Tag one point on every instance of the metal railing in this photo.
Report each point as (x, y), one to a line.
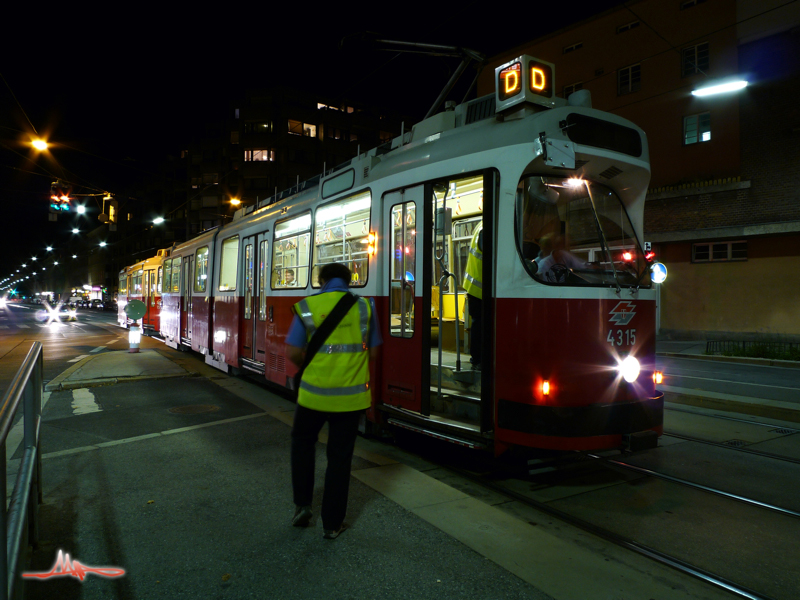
(20, 522)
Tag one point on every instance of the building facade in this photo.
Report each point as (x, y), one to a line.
(723, 210)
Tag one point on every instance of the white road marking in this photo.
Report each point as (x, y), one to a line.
(3, 326)
(83, 402)
(77, 358)
(777, 387)
(24, 326)
(98, 349)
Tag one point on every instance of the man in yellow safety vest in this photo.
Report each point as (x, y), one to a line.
(334, 388)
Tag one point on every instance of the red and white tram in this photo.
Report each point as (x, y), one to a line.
(568, 311)
(142, 281)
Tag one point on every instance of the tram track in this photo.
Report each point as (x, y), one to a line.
(618, 539)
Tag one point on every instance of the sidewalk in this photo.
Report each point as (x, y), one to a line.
(201, 508)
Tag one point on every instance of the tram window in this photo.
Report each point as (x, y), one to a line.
(248, 281)
(465, 198)
(572, 232)
(404, 260)
(167, 275)
(123, 284)
(137, 282)
(290, 253)
(262, 282)
(175, 284)
(160, 280)
(341, 234)
(201, 270)
(229, 264)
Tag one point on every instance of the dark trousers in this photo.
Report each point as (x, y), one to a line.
(342, 432)
(476, 331)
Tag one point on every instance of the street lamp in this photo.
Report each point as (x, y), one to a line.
(76, 230)
(102, 244)
(158, 220)
(731, 86)
(49, 248)
(81, 209)
(39, 144)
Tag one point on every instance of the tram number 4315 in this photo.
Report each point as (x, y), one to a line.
(621, 337)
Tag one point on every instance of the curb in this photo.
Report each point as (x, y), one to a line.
(748, 408)
(742, 360)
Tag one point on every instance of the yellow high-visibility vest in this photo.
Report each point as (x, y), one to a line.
(337, 379)
(472, 278)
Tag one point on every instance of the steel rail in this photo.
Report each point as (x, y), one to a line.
(726, 418)
(688, 438)
(698, 486)
(661, 557)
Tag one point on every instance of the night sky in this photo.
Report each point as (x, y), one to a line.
(117, 95)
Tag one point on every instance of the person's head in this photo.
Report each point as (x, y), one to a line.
(334, 271)
(289, 275)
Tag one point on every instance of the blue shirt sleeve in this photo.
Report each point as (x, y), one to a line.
(297, 333)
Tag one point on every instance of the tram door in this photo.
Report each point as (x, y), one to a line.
(403, 347)
(186, 304)
(256, 281)
(147, 284)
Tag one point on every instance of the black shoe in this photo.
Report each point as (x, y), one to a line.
(302, 516)
(332, 534)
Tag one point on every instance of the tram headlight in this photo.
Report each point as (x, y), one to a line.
(629, 369)
(658, 272)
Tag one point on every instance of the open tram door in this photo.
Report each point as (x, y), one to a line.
(438, 392)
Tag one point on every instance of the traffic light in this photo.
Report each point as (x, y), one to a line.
(59, 197)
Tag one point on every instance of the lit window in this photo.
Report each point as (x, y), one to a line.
(290, 253)
(262, 155)
(719, 252)
(572, 48)
(697, 128)
(694, 60)
(341, 231)
(230, 264)
(300, 128)
(629, 79)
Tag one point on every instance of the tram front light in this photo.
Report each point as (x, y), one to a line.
(546, 387)
(629, 369)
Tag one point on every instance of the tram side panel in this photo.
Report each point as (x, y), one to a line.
(574, 345)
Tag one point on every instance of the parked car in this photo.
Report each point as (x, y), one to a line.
(96, 304)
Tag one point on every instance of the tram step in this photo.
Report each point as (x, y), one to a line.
(438, 435)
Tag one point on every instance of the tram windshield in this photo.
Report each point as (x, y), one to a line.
(576, 232)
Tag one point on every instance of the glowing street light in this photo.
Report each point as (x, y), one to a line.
(81, 209)
(102, 244)
(731, 86)
(49, 248)
(236, 201)
(39, 144)
(76, 230)
(158, 220)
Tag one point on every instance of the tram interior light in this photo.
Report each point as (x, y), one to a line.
(658, 377)
(546, 387)
(372, 243)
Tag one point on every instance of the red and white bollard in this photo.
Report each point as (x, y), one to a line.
(134, 337)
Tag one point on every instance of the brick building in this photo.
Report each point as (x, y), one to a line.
(723, 210)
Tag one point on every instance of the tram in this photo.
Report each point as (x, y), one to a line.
(142, 281)
(568, 311)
